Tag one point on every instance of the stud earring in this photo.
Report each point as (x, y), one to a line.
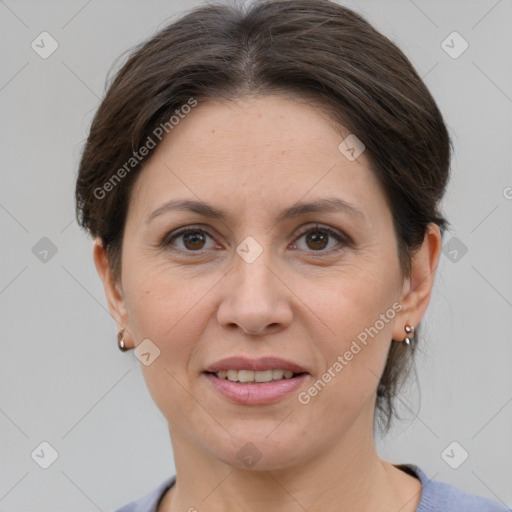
(120, 341)
(409, 329)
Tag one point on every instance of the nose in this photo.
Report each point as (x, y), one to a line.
(255, 299)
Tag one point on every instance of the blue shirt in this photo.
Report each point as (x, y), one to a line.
(435, 497)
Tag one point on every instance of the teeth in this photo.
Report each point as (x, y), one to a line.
(245, 375)
(252, 376)
(263, 376)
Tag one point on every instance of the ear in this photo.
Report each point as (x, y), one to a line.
(113, 289)
(417, 288)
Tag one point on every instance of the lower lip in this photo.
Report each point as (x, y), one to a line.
(257, 393)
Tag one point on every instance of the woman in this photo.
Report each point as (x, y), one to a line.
(263, 185)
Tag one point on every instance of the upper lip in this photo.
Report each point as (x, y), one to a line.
(260, 364)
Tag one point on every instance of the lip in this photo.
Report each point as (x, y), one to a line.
(255, 394)
(260, 364)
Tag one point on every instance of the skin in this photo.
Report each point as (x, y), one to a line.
(297, 300)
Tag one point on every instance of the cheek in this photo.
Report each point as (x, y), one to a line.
(353, 298)
(159, 302)
(356, 311)
(164, 310)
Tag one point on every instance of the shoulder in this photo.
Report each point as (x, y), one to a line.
(150, 501)
(441, 497)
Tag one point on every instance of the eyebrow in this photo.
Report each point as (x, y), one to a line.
(331, 204)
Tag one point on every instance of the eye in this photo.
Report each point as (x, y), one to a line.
(193, 239)
(317, 239)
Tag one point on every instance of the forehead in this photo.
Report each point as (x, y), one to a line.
(273, 123)
(268, 150)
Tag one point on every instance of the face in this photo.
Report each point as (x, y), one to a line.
(263, 281)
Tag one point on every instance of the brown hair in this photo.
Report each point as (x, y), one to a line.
(310, 48)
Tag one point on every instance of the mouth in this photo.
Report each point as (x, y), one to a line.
(249, 381)
(253, 388)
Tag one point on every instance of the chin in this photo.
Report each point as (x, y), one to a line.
(261, 451)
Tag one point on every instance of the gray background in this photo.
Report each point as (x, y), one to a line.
(62, 378)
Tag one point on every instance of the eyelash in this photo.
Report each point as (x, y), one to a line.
(340, 238)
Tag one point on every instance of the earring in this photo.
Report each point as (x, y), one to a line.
(409, 329)
(120, 341)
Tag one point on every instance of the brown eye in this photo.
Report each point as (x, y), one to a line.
(192, 240)
(317, 239)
